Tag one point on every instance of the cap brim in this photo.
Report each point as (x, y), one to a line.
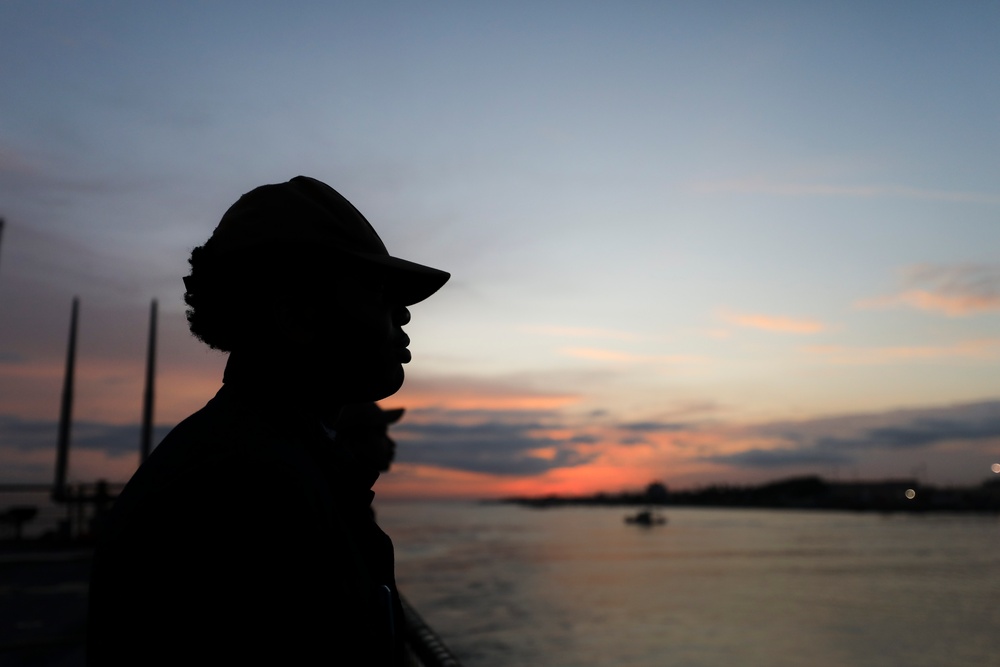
(394, 415)
(408, 282)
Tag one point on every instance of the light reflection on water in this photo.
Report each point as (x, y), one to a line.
(576, 586)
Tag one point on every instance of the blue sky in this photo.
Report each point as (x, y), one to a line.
(722, 215)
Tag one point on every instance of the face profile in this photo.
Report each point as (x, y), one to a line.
(327, 315)
(360, 341)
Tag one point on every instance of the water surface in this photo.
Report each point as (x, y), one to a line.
(506, 585)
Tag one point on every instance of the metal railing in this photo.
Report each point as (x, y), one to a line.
(32, 511)
(423, 643)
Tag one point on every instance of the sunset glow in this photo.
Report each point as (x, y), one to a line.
(693, 243)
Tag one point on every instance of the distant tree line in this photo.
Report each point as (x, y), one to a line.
(806, 492)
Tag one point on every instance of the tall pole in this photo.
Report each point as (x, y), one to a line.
(66, 413)
(147, 399)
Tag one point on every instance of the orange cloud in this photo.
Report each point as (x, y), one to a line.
(422, 481)
(108, 389)
(954, 290)
(616, 467)
(775, 323)
(952, 305)
(730, 453)
(407, 480)
(470, 394)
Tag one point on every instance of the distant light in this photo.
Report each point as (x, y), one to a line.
(910, 494)
(995, 468)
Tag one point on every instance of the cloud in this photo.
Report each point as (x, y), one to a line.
(691, 407)
(39, 434)
(952, 305)
(509, 445)
(639, 433)
(617, 356)
(502, 442)
(777, 324)
(844, 440)
(755, 186)
(921, 432)
(584, 332)
(781, 458)
(508, 441)
(487, 394)
(97, 449)
(986, 348)
(955, 291)
(654, 427)
(499, 446)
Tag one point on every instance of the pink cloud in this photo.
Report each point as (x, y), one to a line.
(955, 291)
(952, 305)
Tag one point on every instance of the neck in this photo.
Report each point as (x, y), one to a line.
(281, 383)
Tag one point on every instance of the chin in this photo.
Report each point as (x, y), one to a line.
(373, 388)
(394, 385)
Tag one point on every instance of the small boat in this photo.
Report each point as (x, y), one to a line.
(646, 518)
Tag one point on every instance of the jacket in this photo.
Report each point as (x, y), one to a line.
(246, 537)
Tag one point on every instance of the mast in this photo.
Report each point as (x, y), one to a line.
(66, 412)
(147, 399)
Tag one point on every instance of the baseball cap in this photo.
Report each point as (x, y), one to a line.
(307, 211)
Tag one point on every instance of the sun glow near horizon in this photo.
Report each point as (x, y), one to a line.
(687, 244)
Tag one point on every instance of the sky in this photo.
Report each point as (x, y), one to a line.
(693, 242)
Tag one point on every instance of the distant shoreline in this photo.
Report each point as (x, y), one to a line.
(807, 492)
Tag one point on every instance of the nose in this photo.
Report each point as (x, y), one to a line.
(401, 316)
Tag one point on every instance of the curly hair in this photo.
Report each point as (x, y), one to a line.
(228, 292)
(217, 295)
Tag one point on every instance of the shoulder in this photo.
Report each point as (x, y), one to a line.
(199, 441)
(224, 458)
(227, 433)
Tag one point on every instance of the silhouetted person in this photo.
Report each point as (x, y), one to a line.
(246, 537)
(364, 429)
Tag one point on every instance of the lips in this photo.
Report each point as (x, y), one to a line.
(402, 353)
